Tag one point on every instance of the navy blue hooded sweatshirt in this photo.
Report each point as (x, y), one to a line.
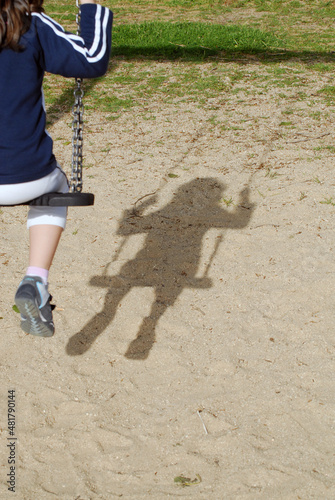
(25, 146)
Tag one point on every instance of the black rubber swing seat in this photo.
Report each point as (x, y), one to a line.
(75, 199)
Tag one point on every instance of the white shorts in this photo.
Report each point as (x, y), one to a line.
(56, 181)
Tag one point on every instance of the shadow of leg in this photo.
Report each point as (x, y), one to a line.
(140, 347)
(79, 343)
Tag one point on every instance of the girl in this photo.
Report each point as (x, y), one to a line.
(30, 44)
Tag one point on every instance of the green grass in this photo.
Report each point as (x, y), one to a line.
(328, 201)
(292, 18)
(200, 49)
(189, 41)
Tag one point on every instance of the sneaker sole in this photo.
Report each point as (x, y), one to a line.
(33, 324)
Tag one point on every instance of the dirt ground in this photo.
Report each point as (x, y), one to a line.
(194, 347)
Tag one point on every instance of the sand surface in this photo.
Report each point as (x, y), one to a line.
(195, 311)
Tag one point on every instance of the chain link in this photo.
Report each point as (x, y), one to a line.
(76, 182)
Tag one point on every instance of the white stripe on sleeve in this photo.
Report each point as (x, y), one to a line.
(72, 39)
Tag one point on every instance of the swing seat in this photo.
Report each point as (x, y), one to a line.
(76, 199)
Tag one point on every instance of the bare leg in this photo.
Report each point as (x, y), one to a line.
(32, 297)
(44, 239)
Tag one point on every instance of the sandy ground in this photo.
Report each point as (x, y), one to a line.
(194, 322)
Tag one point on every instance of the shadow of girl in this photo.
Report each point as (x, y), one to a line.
(168, 261)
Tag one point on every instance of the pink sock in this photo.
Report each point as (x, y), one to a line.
(38, 271)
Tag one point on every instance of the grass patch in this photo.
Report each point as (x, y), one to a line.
(328, 201)
(190, 41)
(307, 23)
(292, 39)
(329, 91)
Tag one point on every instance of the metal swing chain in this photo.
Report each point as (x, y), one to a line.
(76, 182)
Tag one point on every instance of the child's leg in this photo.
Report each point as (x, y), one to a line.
(32, 298)
(44, 240)
(45, 226)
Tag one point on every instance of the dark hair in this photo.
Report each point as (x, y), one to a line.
(15, 20)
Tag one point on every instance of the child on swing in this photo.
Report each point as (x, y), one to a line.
(30, 44)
